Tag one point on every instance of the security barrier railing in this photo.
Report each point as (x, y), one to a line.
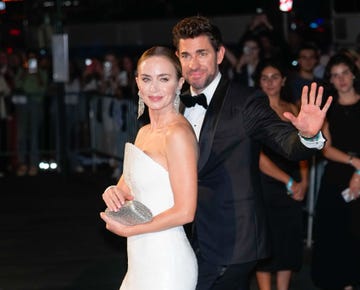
(90, 128)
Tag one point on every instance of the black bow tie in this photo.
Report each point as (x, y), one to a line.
(191, 101)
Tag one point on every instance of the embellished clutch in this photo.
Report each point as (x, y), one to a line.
(131, 213)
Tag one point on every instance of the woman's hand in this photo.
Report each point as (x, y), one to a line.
(114, 197)
(114, 226)
(354, 186)
(298, 191)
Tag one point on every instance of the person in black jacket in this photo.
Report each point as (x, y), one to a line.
(230, 231)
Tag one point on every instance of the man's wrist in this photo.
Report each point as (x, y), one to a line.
(307, 138)
(316, 142)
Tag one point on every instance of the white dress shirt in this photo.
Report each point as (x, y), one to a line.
(196, 114)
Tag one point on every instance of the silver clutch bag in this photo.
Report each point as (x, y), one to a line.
(131, 213)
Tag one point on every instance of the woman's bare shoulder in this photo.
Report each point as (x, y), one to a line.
(180, 130)
(180, 126)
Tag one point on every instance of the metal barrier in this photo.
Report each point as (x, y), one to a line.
(93, 129)
(112, 123)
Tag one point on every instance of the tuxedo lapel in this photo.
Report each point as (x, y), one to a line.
(211, 120)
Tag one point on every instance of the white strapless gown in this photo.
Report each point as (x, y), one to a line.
(161, 260)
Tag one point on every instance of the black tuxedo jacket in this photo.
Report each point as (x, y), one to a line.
(230, 225)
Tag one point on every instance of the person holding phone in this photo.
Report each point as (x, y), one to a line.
(31, 81)
(32, 65)
(244, 66)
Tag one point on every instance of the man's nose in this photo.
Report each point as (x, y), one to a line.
(194, 63)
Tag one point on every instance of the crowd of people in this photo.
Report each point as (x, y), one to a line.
(260, 122)
(31, 109)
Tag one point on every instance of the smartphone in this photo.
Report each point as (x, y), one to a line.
(259, 10)
(32, 65)
(346, 195)
(88, 61)
(246, 50)
(107, 69)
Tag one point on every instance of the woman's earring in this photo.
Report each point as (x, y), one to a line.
(141, 106)
(177, 101)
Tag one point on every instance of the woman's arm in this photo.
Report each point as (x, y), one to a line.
(270, 168)
(334, 154)
(181, 154)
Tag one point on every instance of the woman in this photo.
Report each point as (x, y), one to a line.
(160, 171)
(284, 184)
(336, 252)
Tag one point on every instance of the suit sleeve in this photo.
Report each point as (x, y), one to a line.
(264, 125)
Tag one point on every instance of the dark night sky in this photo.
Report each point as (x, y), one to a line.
(120, 10)
(32, 12)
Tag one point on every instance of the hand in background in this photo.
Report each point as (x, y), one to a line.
(298, 191)
(354, 185)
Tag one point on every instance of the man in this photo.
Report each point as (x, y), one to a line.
(230, 232)
(307, 58)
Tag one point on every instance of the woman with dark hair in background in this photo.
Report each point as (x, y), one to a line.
(336, 251)
(284, 185)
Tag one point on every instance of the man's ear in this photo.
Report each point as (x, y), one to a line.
(220, 54)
